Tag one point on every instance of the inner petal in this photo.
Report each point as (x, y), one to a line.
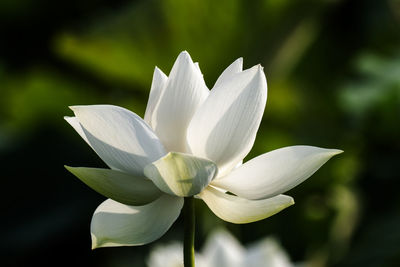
(181, 174)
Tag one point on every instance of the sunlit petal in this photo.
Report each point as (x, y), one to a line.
(157, 86)
(275, 172)
(184, 93)
(229, 72)
(224, 128)
(73, 121)
(120, 137)
(235, 209)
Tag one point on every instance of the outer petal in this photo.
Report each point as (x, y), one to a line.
(229, 72)
(157, 86)
(115, 224)
(184, 93)
(275, 172)
(239, 210)
(225, 126)
(181, 174)
(120, 137)
(119, 186)
(73, 121)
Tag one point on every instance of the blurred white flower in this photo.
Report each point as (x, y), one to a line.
(223, 250)
(171, 255)
(192, 141)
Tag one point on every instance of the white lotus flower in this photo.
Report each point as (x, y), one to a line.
(190, 143)
(171, 255)
(223, 250)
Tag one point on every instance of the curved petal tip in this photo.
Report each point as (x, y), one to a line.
(335, 152)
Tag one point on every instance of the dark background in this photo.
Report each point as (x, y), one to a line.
(333, 71)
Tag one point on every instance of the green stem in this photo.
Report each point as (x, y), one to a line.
(188, 243)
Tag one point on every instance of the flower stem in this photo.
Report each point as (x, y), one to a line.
(188, 243)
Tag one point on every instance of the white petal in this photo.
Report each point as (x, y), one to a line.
(157, 86)
(235, 209)
(184, 92)
(122, 187)
(115, 224)
(229, 72)
(197, 66)
(228, 168)
(275, 172)
(181, 174)
(120, 137)
(224, 128)
(73, 121)
(222, 249)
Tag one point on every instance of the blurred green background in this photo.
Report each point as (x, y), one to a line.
(333, 70)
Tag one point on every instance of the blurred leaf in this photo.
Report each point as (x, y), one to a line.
(38, 97)
(380, 78)
(126, 46)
